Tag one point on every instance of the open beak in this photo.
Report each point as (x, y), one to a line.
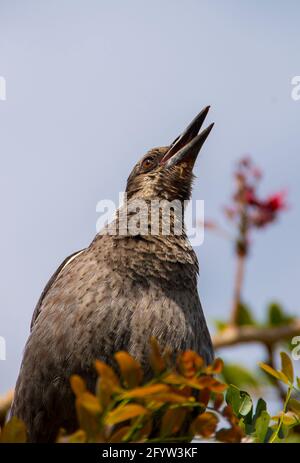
(186, 147)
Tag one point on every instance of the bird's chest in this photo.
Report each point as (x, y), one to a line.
(157, 263)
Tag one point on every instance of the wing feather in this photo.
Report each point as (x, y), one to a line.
(50, 283)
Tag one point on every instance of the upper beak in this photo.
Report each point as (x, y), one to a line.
(187, 146)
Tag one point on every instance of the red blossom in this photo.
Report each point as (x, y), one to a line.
(276, 202)
(255, 211)
(250, 197)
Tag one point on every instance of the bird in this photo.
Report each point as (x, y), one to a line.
(116, 294)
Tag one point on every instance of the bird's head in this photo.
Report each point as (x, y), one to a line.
(167, 172)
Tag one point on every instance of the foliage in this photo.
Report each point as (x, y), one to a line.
(259, 424)
(236, 374)
(179, 402)
(289, 418)
(176, 404)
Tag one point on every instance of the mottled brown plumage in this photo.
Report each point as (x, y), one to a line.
(114, 295)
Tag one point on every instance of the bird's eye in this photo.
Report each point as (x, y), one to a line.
(148, 163)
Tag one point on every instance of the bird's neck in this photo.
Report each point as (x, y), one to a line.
(156, 248)
(155, 217)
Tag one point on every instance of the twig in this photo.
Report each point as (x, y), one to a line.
(265, 335)
(239, 279)
(280, 421)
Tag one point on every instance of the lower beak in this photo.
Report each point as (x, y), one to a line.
(187, 146)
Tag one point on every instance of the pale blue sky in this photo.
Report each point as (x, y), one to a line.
(92, 85)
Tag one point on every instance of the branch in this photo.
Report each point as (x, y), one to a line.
(264, 335)
(238, 284)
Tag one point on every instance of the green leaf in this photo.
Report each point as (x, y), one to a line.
(240, 401)
(245, 316)
(276, 315)
(249, 421)
(262, 426)
(221, 325)
(287, 366)
(261, 406)
(238, 375)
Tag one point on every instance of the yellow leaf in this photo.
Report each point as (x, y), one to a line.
(89, 402)
(275, 373)
(171, 397)
(104, 392)
(5, 404)
(131, 370)
(208, 382)
(105, 371)
(156, 360)
(90, 423)
(216, 368)
(288, 418)
(14, 432)
(143, 392)
(205, 424)
(287, 366)
(198, 382)
(173, 378)
(125, 412)
(78, 385)
(190, 363)
(78, 437)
